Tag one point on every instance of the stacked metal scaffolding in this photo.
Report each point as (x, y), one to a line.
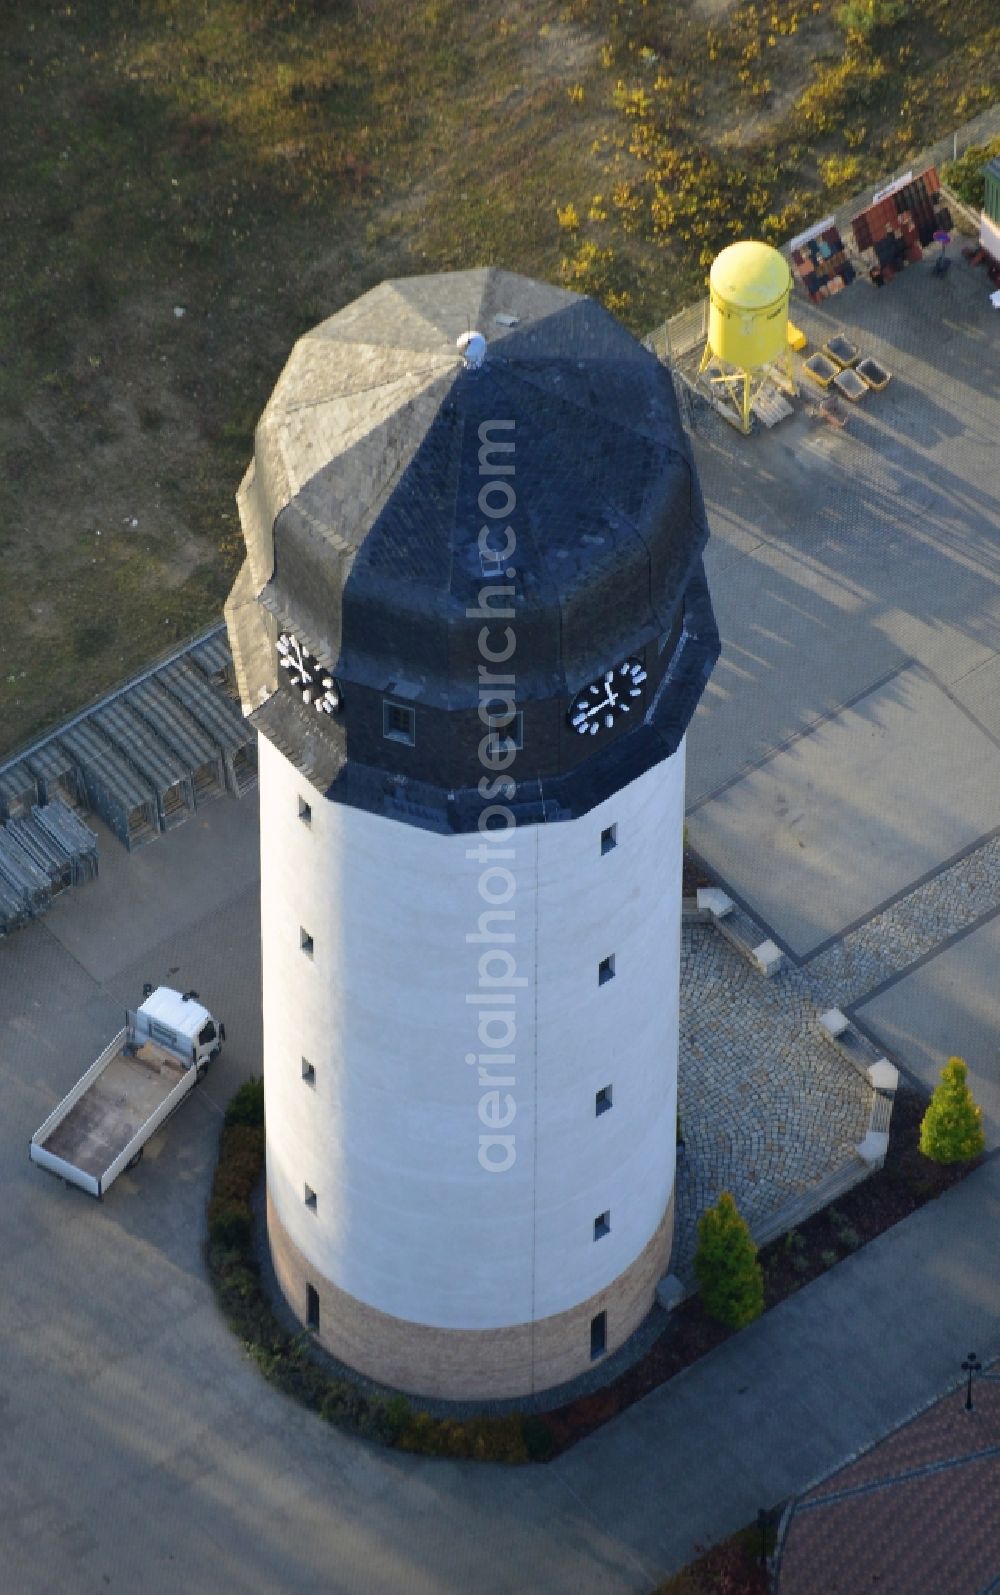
(28, 881)
(146, 751)
(18, 791)
(142, 760)
(68, 835)
(215, 662)
(41, 854)
(234, 736)
(123, 799)
(56, 774)
(178, 730)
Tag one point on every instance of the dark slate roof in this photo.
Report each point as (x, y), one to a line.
(379, 575)
(361, 508)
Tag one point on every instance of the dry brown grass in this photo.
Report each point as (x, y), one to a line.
(258, 163)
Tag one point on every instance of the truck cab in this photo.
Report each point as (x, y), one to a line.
(179, 1022)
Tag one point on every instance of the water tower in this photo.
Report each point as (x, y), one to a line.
(749, 288)
(471, 629)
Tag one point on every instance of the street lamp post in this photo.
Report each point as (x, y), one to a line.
(970, 1366)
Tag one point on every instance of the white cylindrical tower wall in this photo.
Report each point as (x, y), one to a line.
(404, 1225)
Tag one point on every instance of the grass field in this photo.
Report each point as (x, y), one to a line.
(188, 184)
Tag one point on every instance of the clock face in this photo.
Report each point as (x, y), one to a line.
(313, 680)
(616, 693)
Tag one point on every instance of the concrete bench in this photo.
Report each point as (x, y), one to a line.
(741, 931)
(849, 1041)
(881, 1075)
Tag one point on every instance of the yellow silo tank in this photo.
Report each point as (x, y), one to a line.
(749, 288)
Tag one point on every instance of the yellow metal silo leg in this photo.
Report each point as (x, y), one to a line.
(746, 401)
(705, 358)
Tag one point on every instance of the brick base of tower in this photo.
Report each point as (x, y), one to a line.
(469, 1364)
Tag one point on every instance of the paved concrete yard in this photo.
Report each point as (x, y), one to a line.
(949, 1004)
(836, 559)
(853, 812)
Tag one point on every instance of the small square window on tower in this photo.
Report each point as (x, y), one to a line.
(606, 970)
(312, 1307)
(602, 1101)
(305, 811)
(598, 1336)
(305, 942)
(602, 1225)
(397, 722)
(609, 838)
(308, 1072)
(310, 1198)
(506, 733)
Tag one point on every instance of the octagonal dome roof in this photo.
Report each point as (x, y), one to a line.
(362, 509)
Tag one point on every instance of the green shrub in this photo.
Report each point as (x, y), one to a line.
(726, 1266)
(229, 1224)
(828, 1258)
(865, 17)
(378, 1420)
(965, 176)
(483, 1439)
(246, 1106)
(952, 1127)
(418, 1434)
(241, 1160)
(497, 1439)
(795, 1251)
(847, 1235)
(539, 1441)
(342, 1403)
(398, 1413)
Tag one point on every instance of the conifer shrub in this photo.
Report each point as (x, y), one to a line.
(952, 1127)
(728, 1273)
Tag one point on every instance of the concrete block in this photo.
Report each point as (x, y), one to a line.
(834, 1022)
(883, 1075)
(715, 901)
(769, 957)
(670, 1292)
(873, 1148)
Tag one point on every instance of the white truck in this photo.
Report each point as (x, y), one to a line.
(141, 1077)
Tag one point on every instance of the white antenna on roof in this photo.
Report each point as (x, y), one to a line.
(472, 347)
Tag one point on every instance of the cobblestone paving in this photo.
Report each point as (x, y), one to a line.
(916, 1515)
(918, 923)
(768, 1107)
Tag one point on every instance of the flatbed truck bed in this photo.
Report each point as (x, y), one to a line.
(99, 1127)
(103, 1123)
